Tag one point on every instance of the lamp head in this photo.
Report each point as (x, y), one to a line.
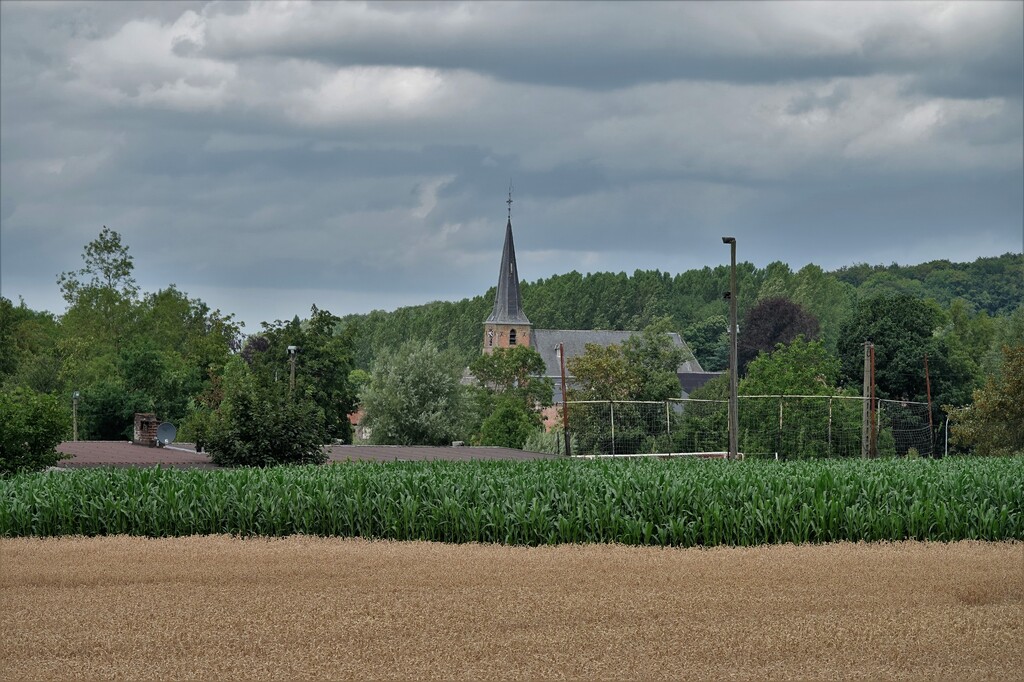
(728, 240)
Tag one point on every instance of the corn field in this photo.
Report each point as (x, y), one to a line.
(782, 427)
(631, 501)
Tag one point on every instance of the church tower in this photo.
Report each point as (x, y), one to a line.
(507, 325)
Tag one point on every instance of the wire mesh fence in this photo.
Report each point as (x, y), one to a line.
(788, 427)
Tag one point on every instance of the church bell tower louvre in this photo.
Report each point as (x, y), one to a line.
(507, 326)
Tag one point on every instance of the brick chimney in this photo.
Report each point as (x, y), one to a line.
(145, 429)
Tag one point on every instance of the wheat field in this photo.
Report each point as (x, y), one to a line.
(299, 608)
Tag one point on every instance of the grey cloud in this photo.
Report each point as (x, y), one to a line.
(615, 45)
(810, 100)
(635, 137)
(975, 58)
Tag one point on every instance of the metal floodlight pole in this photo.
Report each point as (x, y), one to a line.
(734, 421)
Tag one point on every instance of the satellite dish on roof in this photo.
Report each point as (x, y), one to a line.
(165, 434)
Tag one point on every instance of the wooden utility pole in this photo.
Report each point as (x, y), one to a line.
(734, 420)
(867, 427)
(565, 402)
(864, 408)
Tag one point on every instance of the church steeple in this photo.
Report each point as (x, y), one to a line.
(508, 304)
(507, 324)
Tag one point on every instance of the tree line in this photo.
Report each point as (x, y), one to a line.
(982, 293)
(125, 351)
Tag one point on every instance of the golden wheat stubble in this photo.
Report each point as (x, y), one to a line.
(206, 607)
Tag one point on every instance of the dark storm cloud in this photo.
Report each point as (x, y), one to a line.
(268, 156)
(615, 45)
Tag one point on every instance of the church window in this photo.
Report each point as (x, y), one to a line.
(511, 337)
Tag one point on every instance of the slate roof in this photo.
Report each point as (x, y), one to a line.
(691, 381)
(508, 304)
(545, 342)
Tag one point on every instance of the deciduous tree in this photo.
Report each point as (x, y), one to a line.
(31, 426)
(801, 367)
(602, 373)
(770, 322)
(902, 330)
(709, 341)
(323, 363)
(413, 397)
(514, 372)
(993, 424)
(263, 424)
(654, 359)
(101, 296)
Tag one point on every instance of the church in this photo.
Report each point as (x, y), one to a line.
(508, 326)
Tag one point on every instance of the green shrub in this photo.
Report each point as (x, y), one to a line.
(107, 410)
(195, 427)
(551, 442)
(260, 425)
(31, 426)
(510, 425)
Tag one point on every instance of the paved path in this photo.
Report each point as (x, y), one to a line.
(184, 456)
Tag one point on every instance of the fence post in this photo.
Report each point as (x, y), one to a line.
(874, 406)
(928, 391)
(778, 438)
(668, 420)
(876, 428)
(611, 411)
(830, 426)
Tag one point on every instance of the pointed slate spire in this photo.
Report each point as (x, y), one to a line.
(508, 305)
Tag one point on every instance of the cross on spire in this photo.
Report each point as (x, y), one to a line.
(509, 202)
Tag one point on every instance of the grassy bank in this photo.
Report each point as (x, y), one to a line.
(640, 502)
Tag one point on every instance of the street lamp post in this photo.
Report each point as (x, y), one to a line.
(74, 416)
(734, 420)
(292, 350)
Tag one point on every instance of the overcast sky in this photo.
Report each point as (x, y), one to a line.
(269, 156)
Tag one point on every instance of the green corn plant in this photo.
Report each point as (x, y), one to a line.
(678, 503)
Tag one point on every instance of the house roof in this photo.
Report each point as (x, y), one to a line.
(691, 381)
(508, 304)
(546, 341)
